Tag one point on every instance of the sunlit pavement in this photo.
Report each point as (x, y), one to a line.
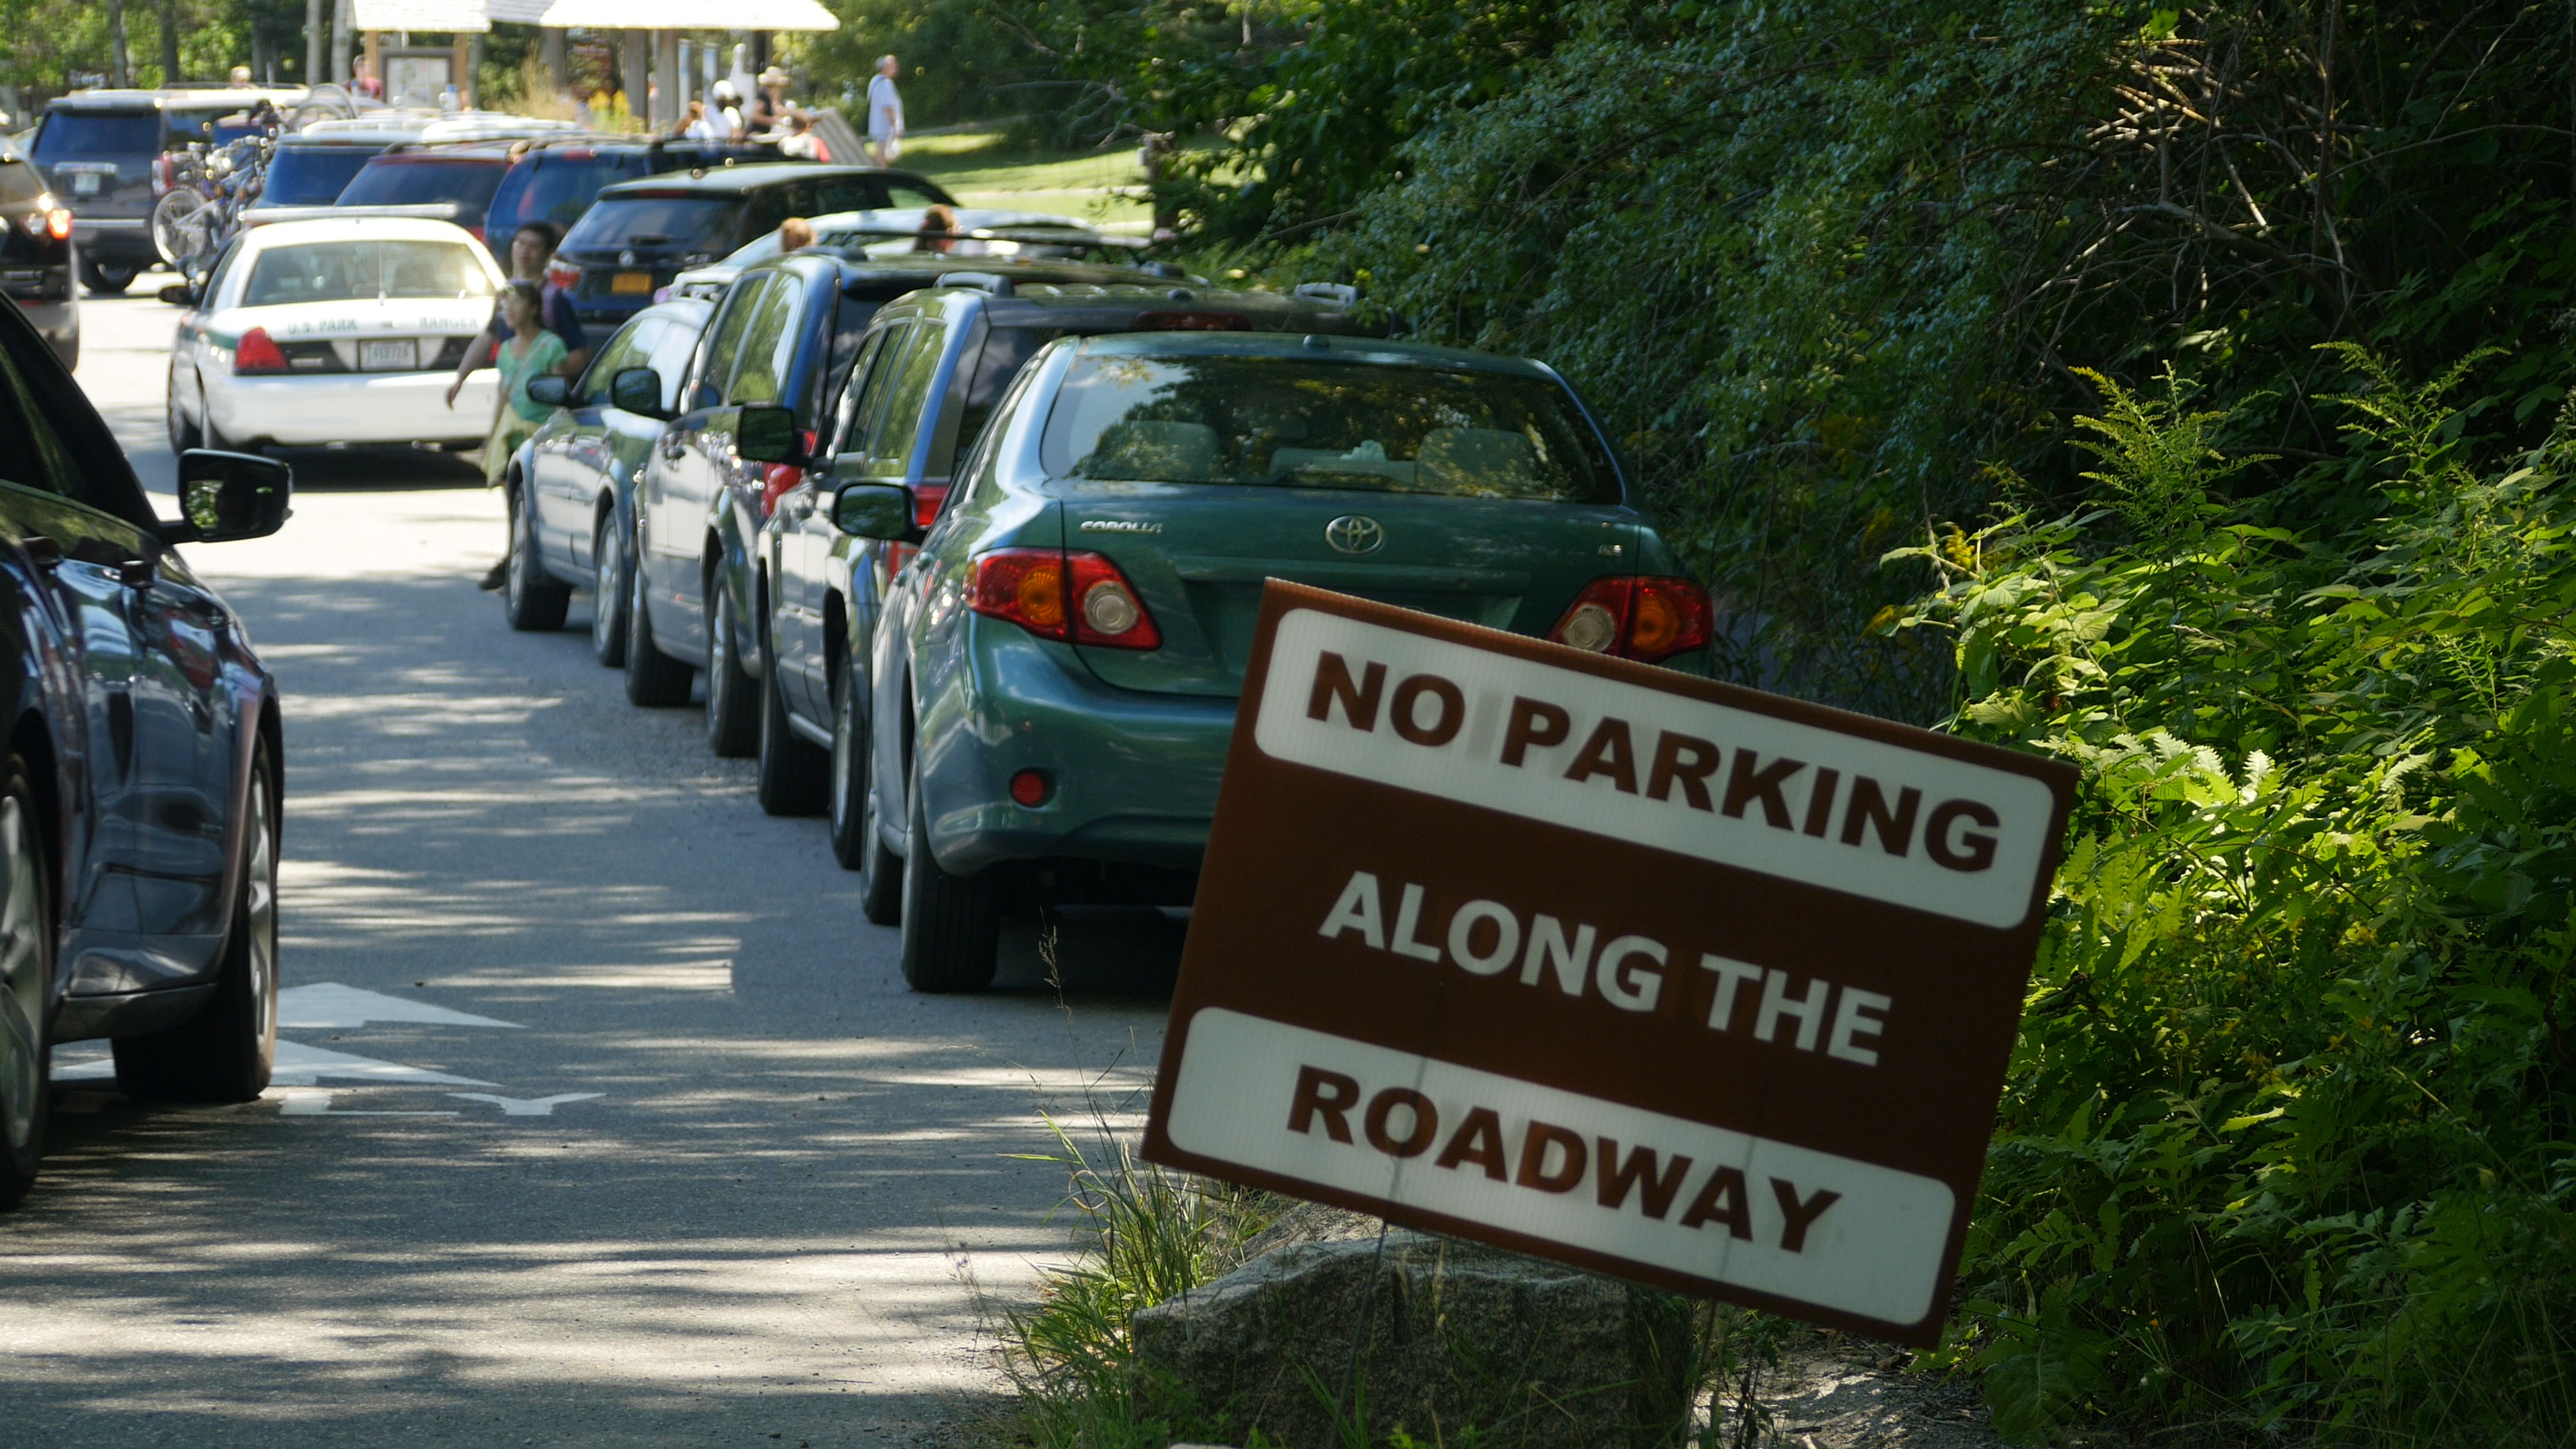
(671, 1157)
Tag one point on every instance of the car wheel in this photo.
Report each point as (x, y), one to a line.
(952, 924)
(107, 278)
(26, 986)
(224, 1052)
(792, 770)
(183, 433)
(857, 842)
(534, 602)
(733, 696)
(608, 592)
(653, 678)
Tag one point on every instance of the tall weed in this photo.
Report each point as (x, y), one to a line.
(2286, 1145)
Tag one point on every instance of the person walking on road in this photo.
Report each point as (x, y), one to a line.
(532, 247)
(885, 114)
(531, 352)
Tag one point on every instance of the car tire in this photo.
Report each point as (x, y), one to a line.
(733, 696)
(183, 433)
(952, 924)
(533, 601)
(653, 679)
(793, 771)
(26, 986)
(857, 841)
(225, 1052)
(108, 279)
(608, 591)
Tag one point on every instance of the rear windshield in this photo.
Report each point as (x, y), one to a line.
(97, 136)
(557, 188)
(341, 271)
(312, 175)
(19, 183)
(388, 182)
(1289, 422)
(186, 126)
(698, 223)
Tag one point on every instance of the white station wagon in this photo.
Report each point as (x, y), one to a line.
(338, 331)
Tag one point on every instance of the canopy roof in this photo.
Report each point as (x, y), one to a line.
(464, 15)
(478, 15)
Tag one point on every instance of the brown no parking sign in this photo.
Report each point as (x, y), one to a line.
(1666, 978)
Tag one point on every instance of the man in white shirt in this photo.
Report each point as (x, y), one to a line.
(885, 114)
(726, 112)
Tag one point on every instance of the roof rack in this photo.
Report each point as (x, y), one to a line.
(993, 282)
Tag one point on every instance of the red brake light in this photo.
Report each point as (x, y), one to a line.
(776, 483)
(58, 224)
(1646, 619)
(926, 498)
(1193, 322)
(258, 352)
(563, 274)
(1028, 587)
(164, 175)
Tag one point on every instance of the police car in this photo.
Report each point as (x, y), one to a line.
(338, 331)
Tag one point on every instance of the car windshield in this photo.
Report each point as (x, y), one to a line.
(101, 135)
(342, 271)
(688, 222)
(312, 175)
(19, 183)
(1290, 422)
(387, 182)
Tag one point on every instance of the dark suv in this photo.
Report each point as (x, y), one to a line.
(97, 149)
(36, 254)
(555, 180)
(640, 234)
(465, 177)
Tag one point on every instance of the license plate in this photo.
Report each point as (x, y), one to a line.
(86, 183)
(399, 355)
(631, 284)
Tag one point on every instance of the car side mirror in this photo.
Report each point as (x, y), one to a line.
(182, 294)
(636, 390)
(873, 510)
(767, 434)
(227, 496)
(552, 390)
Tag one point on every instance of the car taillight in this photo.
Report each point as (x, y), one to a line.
(47, 220)
(926, 498)
(258, 352)
(1193, 322)
(775, 485)
(1646, 619)
(1029, 587)
(164, 175)
(564, 274)
(58, 224)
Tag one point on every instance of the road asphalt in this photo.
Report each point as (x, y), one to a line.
(603, 1117)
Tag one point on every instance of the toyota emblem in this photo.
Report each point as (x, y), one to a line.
(1354, 533)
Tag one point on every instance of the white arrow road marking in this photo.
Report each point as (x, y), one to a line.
(330, 1006)
(318, 1104)
(300, 1065)
(528, 1106)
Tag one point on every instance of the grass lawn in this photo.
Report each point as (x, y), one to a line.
(983, 168)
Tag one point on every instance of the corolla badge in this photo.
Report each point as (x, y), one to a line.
(1354, 533)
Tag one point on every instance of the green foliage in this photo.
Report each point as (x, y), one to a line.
(2287, 1143)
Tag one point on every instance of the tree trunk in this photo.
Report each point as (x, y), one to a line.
(170, 42)
(120, 60)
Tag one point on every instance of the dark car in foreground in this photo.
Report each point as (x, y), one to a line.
(1055, 673)
(139, 782)
(639, 235)
(97, 149)
(36, 254)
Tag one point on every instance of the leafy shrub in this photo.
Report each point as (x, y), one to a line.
(2286, 1144)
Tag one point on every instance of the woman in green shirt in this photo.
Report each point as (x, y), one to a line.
(530, 351)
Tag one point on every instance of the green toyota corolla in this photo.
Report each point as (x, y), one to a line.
(1056, 669)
